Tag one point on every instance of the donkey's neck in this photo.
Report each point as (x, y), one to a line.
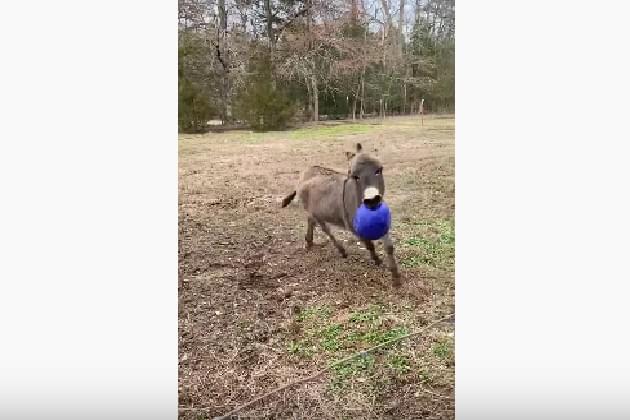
(350, 202)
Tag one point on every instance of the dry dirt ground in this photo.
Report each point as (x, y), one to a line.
(257, 310)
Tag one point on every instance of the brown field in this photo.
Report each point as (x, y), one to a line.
(257, 310)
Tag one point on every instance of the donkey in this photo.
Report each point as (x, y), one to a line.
(330, 197)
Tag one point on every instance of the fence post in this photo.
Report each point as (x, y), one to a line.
(421, 109)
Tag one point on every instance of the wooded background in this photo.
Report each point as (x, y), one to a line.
(266, 63)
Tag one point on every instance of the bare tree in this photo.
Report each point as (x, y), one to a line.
(340, 57)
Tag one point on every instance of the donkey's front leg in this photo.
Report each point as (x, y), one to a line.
(391, 260)
(370, 247)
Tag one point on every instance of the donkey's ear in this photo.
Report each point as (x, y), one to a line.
(359, 147)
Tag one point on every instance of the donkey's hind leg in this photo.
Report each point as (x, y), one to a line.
(370, 247)
(309, 233)
(327, 231)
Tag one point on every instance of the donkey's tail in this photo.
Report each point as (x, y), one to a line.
(288, 199)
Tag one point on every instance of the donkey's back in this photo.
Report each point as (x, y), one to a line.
(316, 170)
(319, 191)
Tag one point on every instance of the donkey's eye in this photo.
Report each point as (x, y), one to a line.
(355, 177)
(379, 171)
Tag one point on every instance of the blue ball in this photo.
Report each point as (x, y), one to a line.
(372, 223)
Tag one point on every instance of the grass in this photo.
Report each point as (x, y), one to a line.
(316, 312)
(346, 306)
(443, 349)
(429, 243)
(328, 335)
(355, 367)
(366, 315)
(302, 349)
(399, 363)
(380, 337)
(323, 131)
(326, 338)
(330, 338)
(425, 377)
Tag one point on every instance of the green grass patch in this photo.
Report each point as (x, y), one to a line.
(326, 340)
(417, 261)
(429, 243)
(315, 313)
(337, 130)
(323, 131)
(301, 348)
(399, 363)
(443, 349)
(379, 337)
(330, 338)
(370, 314)
(361, 367)
(425, 377)
(355, 366)
(373, 336)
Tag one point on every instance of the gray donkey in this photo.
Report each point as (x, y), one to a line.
(331, 197)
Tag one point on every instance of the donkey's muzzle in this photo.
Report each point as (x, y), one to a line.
(373, 202)
(372, 197)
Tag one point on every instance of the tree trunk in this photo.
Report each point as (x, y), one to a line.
(388, 28)
(310, 96)
(269, 23)
(243, 14)
(222, 17)
(362, 93)
(388, 16)
(354, 12)
(383, 46)
(404, 104)
(401, 26)
(356, 98)
(222, 47)
(313, 93)
(315, 99)
(365, 41)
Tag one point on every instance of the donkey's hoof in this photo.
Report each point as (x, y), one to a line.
(308, 245)
(343, 253)
(396, 279)
(377, 261)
